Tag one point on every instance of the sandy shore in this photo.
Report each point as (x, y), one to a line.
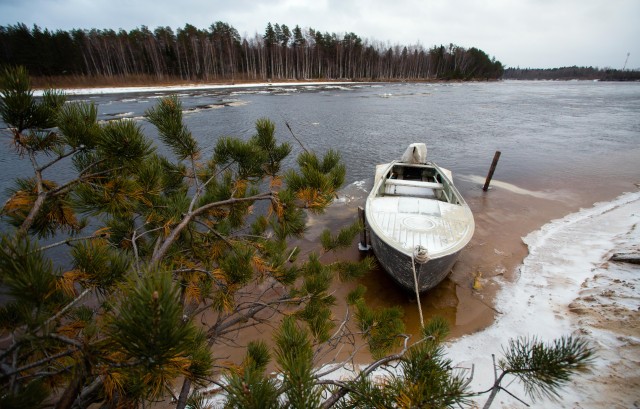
(485, 315)
(568, 285)
(504, 215)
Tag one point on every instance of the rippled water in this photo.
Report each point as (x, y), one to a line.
(544, 129)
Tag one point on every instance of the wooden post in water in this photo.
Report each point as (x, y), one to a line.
(364, 240)
(491, 170)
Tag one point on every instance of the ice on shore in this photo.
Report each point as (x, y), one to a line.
(193, 87)
(567, 285)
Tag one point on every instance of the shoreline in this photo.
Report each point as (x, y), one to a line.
(193, 86)
(542, 301)
(86, 86)
(567, 285)
(81, 88)
(504, 215)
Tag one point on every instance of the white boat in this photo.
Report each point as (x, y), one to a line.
(417, 220)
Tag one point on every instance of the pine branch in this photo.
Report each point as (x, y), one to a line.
(344, 389)
(88, 394)
(66, 308)
(201, 188)
(542, 368)
(65, 340)
(216, 233)
(337, 340)
(37, 363)
(40, 198)
(294, 136)
(60, 157)
(67, 186)
(67, 241)
(226, 326)
(219, 283)
(171, 238)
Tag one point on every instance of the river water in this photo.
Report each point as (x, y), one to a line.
(564, 145)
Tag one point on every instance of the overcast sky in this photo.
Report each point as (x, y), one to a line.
(524, 33)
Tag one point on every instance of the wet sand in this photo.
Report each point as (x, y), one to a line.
(568, 285)
(503, 215)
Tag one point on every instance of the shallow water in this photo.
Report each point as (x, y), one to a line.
(564, 145)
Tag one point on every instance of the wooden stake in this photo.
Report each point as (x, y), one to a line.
(364, 240)
(491, 170)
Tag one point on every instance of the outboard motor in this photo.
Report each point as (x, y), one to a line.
(416, 153)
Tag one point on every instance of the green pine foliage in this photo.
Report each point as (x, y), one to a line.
(248, 386)
(343, 239)
(97, 265)
(78, 124)
(294, 355)
(380, 327)
(167, 117)
(123, 144)
(29, 279)
(170, 240)
(317, 311)
(151, 340)
(423, 378)
(20, 108)
(348, 271)
(56, 215)
(543, 368)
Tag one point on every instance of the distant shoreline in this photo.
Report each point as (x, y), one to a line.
(84, 86)
(78, 85)
(191, 86)
(124, 87)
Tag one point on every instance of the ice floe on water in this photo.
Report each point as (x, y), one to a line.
(122, 114)
(361, 185)
(567, 285)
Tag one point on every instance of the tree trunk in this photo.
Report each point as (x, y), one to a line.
(71, 392)
(184, 394)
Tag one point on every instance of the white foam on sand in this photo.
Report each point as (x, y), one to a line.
(507, 186)
(567, 286)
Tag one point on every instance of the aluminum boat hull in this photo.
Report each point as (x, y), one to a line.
(417, 221)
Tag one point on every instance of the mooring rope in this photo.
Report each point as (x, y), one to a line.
(421, 255)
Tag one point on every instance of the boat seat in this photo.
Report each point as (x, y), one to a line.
(415, 183)
(415, 188)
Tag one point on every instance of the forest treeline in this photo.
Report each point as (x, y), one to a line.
(571, 73)
(220, 53)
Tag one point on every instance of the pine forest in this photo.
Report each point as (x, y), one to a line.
(219, 53)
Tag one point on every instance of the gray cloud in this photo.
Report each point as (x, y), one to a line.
(526, 33)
